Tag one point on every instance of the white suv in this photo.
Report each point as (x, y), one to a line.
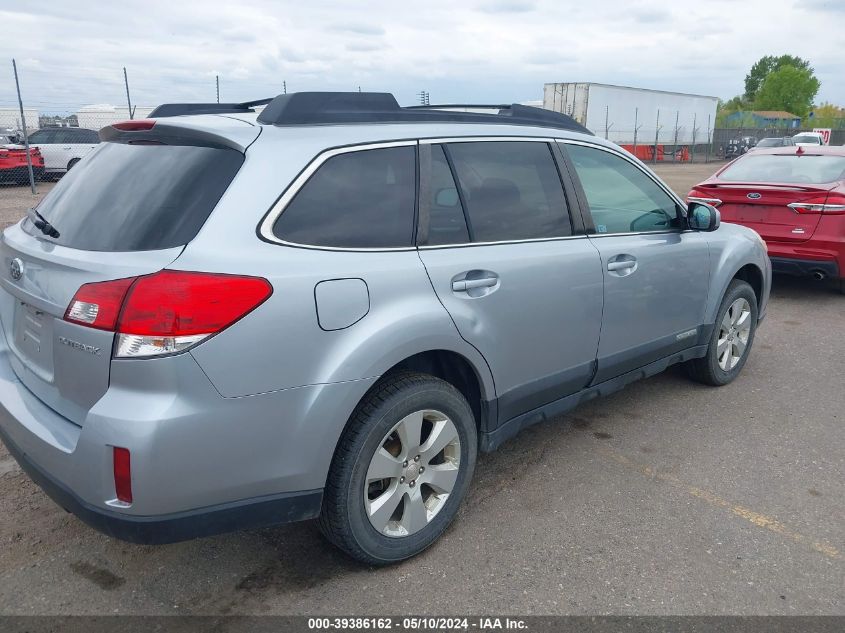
(813, 139)
(63, 147)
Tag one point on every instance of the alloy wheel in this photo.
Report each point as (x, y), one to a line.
(412, 473)
(734, 332)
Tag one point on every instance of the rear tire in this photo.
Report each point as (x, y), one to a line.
(397, 431)
(732, 338)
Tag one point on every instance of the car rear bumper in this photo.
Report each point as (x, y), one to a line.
(805, 267)
(20, 173)
(201, 464)
(179, 526)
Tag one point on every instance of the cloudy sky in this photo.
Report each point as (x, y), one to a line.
(72, 53)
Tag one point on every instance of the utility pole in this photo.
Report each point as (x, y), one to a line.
(423, 95)
(23, 127)
(707, 151)
(128, 101)
(285, 87)
(217, 80)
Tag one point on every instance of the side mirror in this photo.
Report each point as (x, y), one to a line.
(446, 197)
(703, 217)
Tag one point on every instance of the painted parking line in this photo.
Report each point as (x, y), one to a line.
(714, 500)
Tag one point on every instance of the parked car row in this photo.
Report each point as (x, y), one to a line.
(738, 146)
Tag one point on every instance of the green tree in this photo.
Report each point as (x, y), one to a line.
(828, 115)
(765, 66)
(788, 88)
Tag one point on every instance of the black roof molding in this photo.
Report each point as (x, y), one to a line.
(179, 109)
(315, 108)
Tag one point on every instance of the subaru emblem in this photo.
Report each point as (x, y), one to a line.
(754, 196)
(16, 269)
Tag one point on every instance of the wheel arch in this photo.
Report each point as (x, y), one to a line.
(455, 369)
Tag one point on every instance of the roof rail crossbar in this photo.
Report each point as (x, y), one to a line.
(178, 109)
(327, 108)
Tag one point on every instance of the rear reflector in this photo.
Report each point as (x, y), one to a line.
(122, 474)
(832, 204)
(138, 125)
(167, 312)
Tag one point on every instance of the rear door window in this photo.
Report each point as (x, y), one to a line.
(358, 199)
(447, 223)
(138, 197)
(512, 190)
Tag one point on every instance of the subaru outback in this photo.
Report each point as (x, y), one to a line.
(222, 319)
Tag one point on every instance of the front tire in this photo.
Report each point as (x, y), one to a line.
(733, 335)
(401, 469)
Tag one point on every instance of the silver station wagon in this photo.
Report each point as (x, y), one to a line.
(221, 319)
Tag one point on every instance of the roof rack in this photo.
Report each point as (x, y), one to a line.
(178, 109)
(313, 108)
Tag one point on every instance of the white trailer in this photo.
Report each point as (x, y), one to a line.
(10, 119)
(94, 117)
(615, 112)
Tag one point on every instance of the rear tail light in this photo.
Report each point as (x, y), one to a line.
(832, 204)
(122, 474)
(699, 196)
(167, 312)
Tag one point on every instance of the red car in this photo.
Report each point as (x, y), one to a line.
(13, 166)
(794, 197)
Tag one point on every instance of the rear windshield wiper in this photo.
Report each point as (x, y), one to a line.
(42, 224)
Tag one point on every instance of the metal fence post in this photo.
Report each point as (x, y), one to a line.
(675, 142)
(656, 136)
(636, 116)
(25, 133)
(692, 152)
(709, 142)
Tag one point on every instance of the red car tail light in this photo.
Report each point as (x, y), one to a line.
(168, 311)
(138, 125)
(699, 196)
(832, 204)
(122, 474)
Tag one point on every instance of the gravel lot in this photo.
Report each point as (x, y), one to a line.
(666, 498)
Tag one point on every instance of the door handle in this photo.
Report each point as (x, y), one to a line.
(468, 284)
(621, 265)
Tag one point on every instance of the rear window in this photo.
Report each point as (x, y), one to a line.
(786, 168)
(809, 138)
(138, 197)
